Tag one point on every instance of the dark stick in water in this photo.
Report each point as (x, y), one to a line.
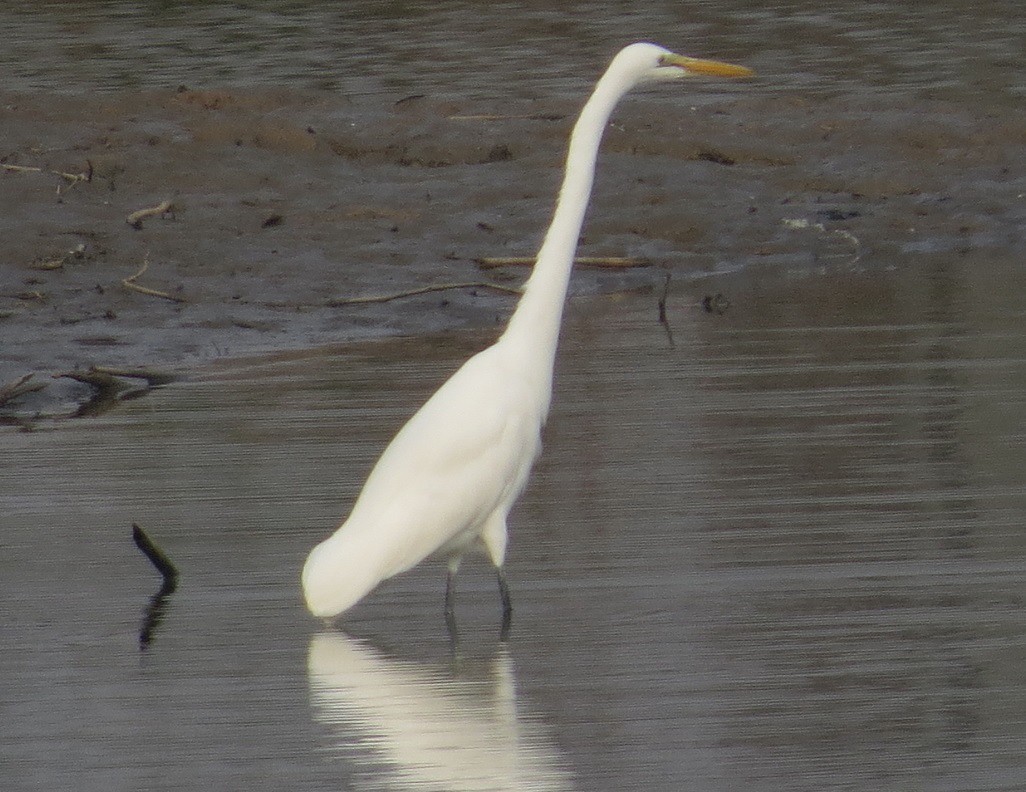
(155, 554)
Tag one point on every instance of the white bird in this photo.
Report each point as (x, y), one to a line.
(447, 481)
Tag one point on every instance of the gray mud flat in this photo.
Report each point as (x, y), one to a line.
(286, 200)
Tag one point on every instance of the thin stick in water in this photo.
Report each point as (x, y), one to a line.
(155, 554)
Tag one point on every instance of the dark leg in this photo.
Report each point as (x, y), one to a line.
(450, 603)
(507, 605)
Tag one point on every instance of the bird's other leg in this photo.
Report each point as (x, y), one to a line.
(450, 598)
(494, 537)
(507, 605)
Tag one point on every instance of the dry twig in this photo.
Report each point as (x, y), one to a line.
(74, 178)
(129, 283)
(76, 252)
(597, 262)
(20, 168)
(380, 298)
(136, 218)
(516, 117)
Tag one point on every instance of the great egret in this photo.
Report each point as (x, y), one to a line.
(448, 479)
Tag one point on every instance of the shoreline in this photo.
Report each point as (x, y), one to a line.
(164, 230)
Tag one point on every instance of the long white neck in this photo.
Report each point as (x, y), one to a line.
(534, 326)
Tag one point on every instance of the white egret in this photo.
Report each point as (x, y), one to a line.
(447, 481)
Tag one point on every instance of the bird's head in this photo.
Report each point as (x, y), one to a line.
(651, 62)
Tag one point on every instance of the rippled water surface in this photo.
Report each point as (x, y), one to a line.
(773, 545)
(474, 49)
(784, 552)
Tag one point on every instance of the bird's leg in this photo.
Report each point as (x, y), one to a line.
(507, 605)
(450, 599)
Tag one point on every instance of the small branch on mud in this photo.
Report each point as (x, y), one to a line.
(73, 178)
(155, 554)
(597, 262)
(136, 218)
(76, 252)
(380, 298)
(13, 390)
(20, 168)
(129, 283)
(499, 117)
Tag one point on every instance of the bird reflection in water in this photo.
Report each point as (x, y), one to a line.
(422, 726)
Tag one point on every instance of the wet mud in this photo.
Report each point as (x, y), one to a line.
(163, 230)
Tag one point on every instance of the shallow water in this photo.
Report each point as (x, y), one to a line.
(784, 551)
(477, 50)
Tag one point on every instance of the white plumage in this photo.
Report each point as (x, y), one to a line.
(447, 481)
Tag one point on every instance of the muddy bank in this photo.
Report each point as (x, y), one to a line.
(271, 209)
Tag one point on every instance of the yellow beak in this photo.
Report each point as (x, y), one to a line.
(707, 67)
